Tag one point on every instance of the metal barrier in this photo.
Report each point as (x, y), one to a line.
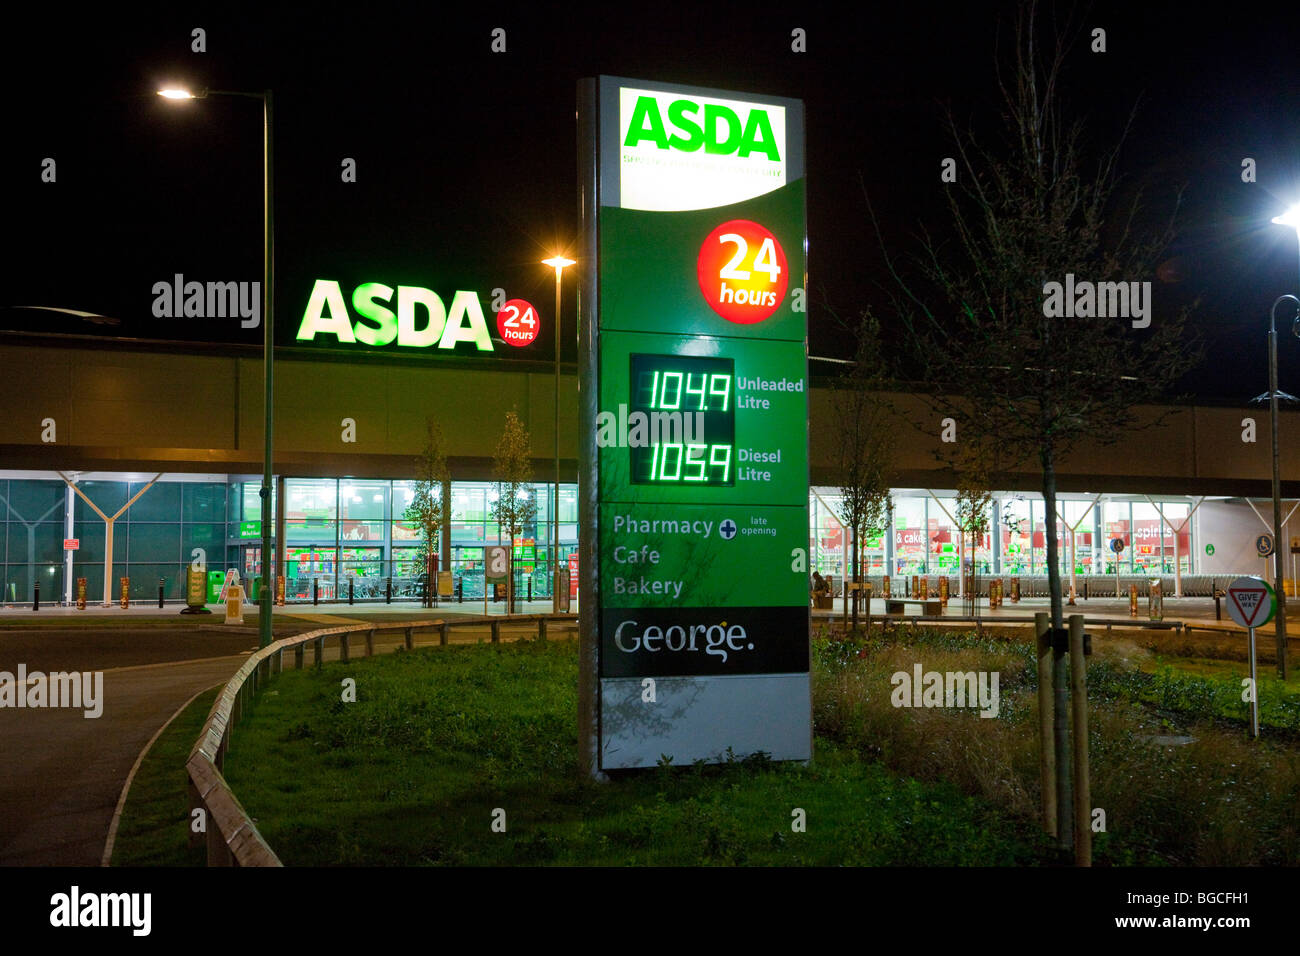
(1091, 585)
(232, 837)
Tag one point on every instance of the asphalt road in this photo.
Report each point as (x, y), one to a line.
(63, 772)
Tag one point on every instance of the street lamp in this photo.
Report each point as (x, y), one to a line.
(557, 263)
(267, 588)
(1291, 219)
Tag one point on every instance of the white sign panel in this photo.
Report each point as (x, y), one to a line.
(687, 151)
(1250, 602)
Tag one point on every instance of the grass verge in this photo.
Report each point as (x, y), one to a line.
(154, 829)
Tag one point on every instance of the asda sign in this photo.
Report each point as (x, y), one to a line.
(693, 525)
(688, 150)
(715, 127)
(382, 315)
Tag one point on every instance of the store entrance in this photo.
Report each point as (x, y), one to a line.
(250, 569)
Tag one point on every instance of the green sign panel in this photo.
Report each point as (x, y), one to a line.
(695, 515)
(250, 529)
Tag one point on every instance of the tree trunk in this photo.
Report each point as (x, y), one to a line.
(1060, 674)
(855, 571)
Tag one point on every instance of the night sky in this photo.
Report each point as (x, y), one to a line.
(466, 159)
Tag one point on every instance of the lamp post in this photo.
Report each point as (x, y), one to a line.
(557, 263)
(1290, 218)
(267, 588)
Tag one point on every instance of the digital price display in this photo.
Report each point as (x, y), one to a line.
(688, 409)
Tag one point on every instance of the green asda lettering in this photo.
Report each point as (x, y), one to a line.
(378, 324)
(719, 130)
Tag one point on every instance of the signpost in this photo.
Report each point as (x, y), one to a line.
(694, 385)
(1117, 546)
(1252, 604)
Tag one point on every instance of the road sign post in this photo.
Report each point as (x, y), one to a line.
(1252, 603)
(694, 426)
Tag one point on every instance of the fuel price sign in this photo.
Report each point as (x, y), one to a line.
(694, 515)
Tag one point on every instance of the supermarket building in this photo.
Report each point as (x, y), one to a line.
(111, 416)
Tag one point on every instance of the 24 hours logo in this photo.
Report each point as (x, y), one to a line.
(742, 271)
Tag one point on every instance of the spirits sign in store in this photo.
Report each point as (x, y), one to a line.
(694, 422)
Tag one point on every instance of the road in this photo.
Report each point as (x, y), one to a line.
(63, 772)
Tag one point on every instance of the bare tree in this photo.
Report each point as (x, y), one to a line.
(425, 509)
(516, 503)
(1011, 373)
(988, 327)
(865, 441)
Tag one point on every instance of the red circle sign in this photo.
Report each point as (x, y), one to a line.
(743, 272)
(517, 323)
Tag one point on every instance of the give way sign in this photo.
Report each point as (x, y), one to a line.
(1251, 602)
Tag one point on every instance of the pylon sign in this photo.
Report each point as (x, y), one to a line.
(694, 423)
(1251, 602)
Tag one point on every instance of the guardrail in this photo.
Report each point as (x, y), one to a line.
(231, 836)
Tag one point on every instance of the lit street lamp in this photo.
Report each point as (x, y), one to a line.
(557, 263)
(1290, 218)
(267, 588)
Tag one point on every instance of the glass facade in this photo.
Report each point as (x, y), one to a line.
(349, 535)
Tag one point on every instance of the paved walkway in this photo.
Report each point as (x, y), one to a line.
(64, 772)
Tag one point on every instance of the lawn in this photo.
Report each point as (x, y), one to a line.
(466, 756)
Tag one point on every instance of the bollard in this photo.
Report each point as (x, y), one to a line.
(943, 590)
(1214, 589)
(315, 591)
(530, 589)
(884, 587)
(1156, 600)
(388, 592)
(36, 598)
(1085, 589)
(460, 591)
(351, 582)
(1132, 600)
(1015, 590)
(916, 587)
(162, 583)
(993, 594)
(126, 592)
(81, 594)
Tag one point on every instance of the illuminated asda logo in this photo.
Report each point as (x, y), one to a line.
(408, 315)
(715, 126)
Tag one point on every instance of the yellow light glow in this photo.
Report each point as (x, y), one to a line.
(558, 262)
(174, 94)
